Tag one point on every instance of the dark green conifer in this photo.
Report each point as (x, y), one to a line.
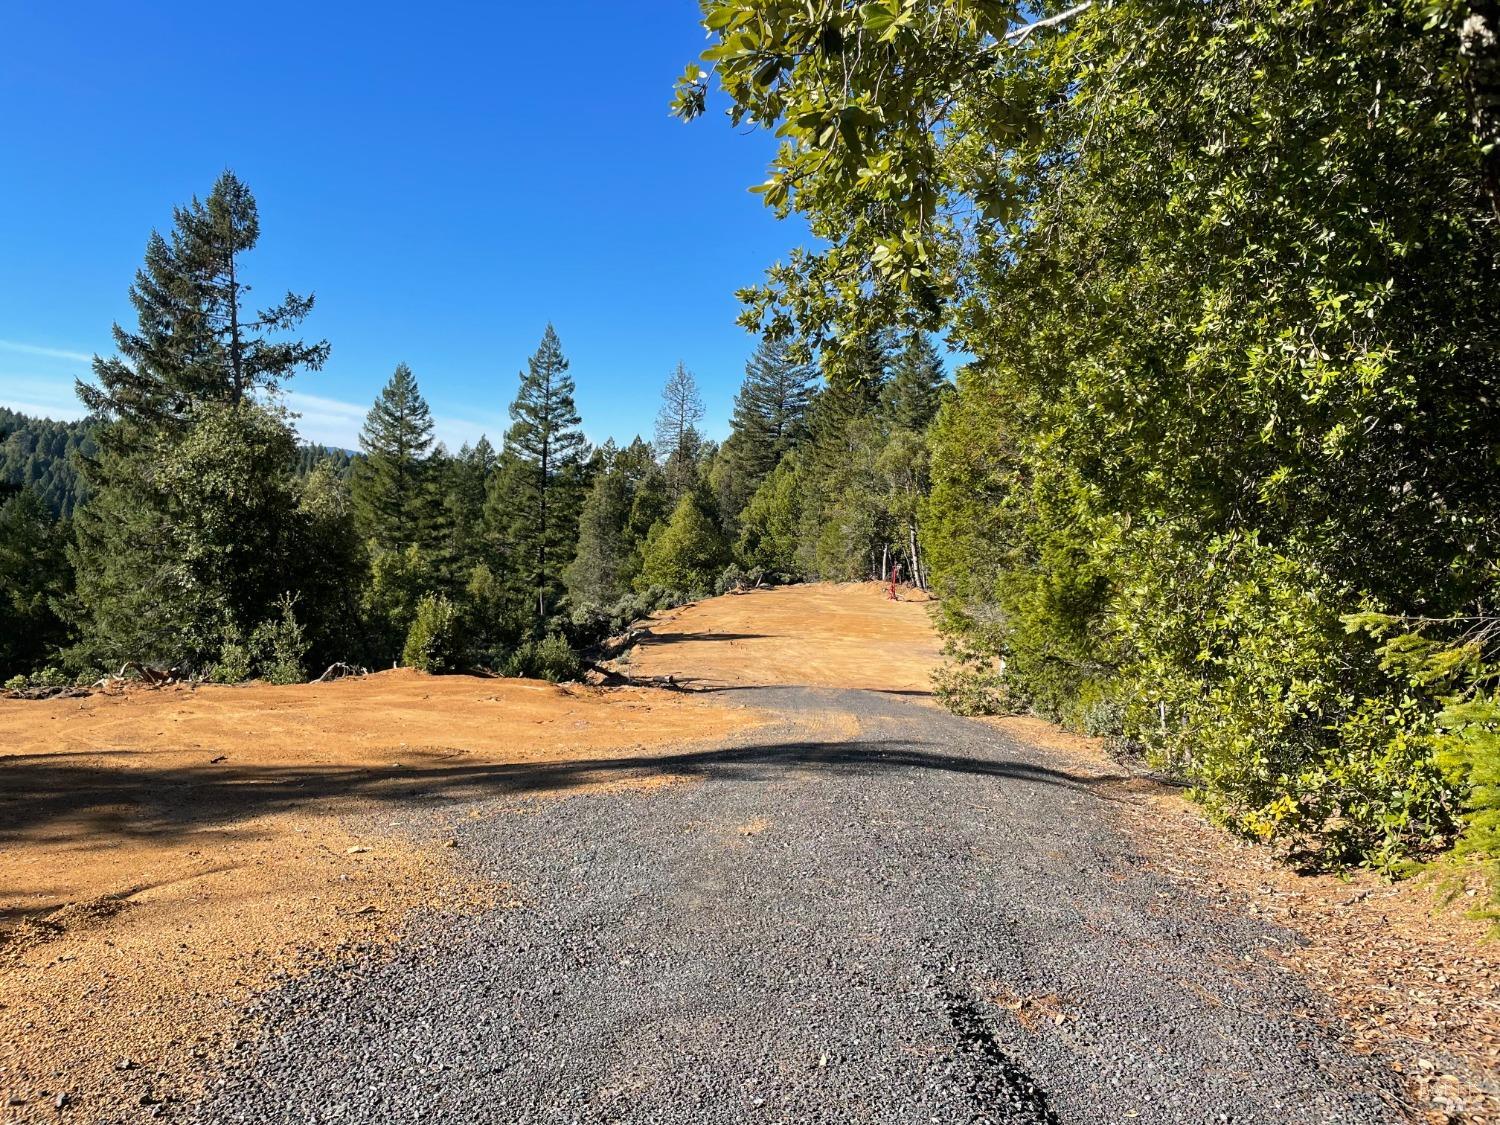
(769, 419)
(537, 513)
(390, 481)
(916, 385)
(192, 502)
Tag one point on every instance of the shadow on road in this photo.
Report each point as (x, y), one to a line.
(63, 798)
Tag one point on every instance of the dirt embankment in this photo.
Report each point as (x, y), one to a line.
(165, 854)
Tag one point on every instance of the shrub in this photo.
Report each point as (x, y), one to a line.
(274, 651)
(550, 658)
(737, 578)
(48, 677)
(281, 646)
(236, 662)
(970, 683)
(434, 643)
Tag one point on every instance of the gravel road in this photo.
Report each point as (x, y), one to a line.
(922, 921)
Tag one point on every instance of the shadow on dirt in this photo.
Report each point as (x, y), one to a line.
(658, 640)
(64, 799)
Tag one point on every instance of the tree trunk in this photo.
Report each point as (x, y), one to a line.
(236, 362)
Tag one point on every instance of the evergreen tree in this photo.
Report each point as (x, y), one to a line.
(466, 484)
(389, 483)
(677, 437)
(201, 548)
(917, 384)
(192, 503)
(194, 342)
(333, 562)
(769, 419)
(688, 552)
(626, 499)
(547, 449)
(771, 407)
(34, 576)
(42, 455)
(771, 522)
(595, 575)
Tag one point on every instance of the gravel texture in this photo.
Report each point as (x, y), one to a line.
(923, 922)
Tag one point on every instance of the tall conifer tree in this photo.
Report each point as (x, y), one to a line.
(185, 454)
(916, 385)
(540, 509)
(678, 439)
(769, 419)
(390, 481)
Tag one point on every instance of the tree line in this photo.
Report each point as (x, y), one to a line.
(1223, 480)
(202, 536)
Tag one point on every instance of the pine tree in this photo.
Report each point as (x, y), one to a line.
(194, 342)
(547, 448)
(771, 407)
(594, 577)
(769, 419)
(34, 575)
(677, 437)
(389, 482)
(687, 552)
(465, 486)
(916, 386)
(186, 456)
(842, 527)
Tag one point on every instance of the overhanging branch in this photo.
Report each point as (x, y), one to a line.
(1017, 36)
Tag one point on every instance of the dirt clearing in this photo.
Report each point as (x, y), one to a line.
(165, 854)
(822, 635)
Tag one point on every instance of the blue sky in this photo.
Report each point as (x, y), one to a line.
(446, 179)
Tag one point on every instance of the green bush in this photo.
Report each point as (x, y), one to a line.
(550, 658)
(736, 577)
(236, 662)
(48, 677)
(282, 646)
(275, 651)
(435, 641)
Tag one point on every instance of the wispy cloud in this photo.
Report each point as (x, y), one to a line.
(331, 421)
(49, 353)
(328, 421)
(41, 396)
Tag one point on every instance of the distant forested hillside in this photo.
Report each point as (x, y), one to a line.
(38, 452)
(309, 457)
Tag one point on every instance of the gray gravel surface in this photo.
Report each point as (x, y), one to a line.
(922, 923)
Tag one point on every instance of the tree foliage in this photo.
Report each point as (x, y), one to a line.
(539, 508)
(677, 434)
(686, 552)
(391, 481)
(1225, 271)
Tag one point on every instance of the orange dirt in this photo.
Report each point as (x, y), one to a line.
(164, 854)
(823, 635)
(147, 891)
